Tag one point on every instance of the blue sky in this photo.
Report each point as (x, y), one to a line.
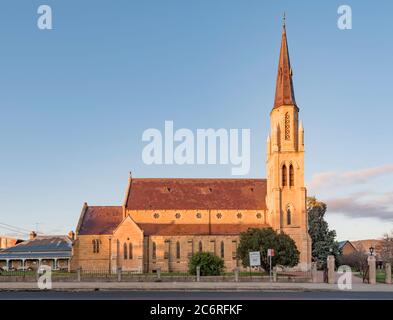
(75, 100)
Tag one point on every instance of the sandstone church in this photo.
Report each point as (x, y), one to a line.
(162, 222)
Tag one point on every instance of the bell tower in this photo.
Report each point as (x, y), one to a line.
(286, 192)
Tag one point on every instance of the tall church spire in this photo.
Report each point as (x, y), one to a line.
(284, 86)
(286, 192)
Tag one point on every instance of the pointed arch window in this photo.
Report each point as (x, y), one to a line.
(96, 246)
(154, 251)
(125, 251)
(177, 250)
(291, 176)
(130, 252)
(287, 127)
(200, 248)
(284, 175)
(222, 251)
(289, 217)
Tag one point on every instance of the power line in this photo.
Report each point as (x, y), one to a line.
(12, 230)
(13, 227)
(18, 230)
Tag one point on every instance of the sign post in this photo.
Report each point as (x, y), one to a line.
(270, 254)
(255, 259)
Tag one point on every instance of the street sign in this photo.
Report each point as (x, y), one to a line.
(255, 259)
(270, 252)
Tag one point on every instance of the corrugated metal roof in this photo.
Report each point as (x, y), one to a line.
(341, 244)
(41, 244)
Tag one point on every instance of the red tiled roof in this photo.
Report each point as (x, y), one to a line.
(100, 220)
(364, 245)
(194, 194)
(179, 194)
(195, 229)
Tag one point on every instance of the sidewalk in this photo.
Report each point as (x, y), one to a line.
(194, 286)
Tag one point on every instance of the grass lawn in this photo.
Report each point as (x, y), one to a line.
(381, 276)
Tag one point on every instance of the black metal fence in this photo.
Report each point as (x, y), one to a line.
(105, 275)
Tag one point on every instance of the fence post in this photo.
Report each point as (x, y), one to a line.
(274, 274)
(119, 274)
(198, 273)
(388, 273)
(330, 269)
(372, 275)
(78, 271)
(314, 272)
(236, 274)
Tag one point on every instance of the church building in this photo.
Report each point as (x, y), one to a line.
(163, 222)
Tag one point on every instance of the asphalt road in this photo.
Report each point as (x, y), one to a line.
(196, 295)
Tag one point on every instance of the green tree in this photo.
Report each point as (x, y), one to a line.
(286, 253)
(323, 240)
(356, 260)
(387, 248)
(210, 264)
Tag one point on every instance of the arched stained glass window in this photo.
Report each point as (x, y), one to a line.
(289, 217)
(284, 175)
(291, 176)
(177, 250)
(222, 251)
(154, 251)
(125, 251)
(130, 252)
(96, 245)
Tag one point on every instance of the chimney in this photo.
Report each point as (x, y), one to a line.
(32, 235)
(71, 235)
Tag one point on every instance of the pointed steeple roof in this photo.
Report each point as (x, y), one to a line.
(285, 94)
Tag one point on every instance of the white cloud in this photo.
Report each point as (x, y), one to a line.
(336, 179)
(333, 188)
(363, 205)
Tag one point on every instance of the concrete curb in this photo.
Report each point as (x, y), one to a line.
(186, 286)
